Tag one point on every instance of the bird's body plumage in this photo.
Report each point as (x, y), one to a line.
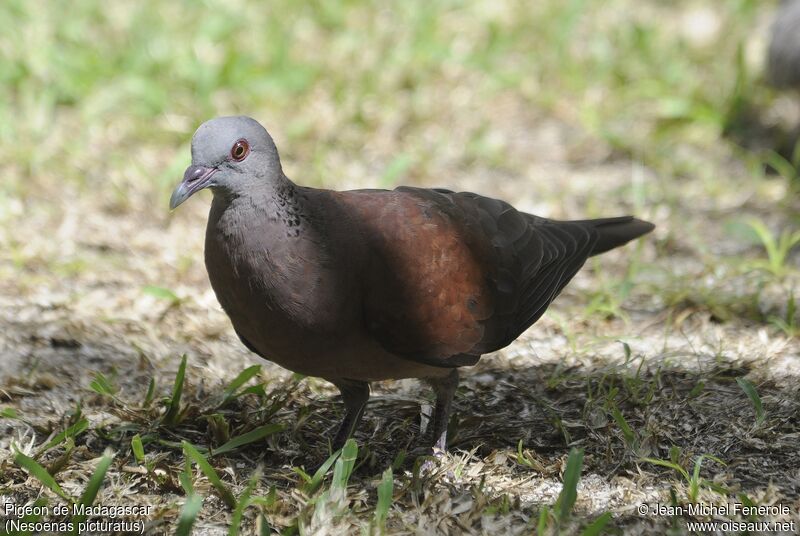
(368, 285)
(378, 284)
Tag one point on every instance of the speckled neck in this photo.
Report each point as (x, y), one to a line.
(289, 208)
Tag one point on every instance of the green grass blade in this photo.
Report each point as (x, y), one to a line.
(713, 459)
(189, 515)
(670, 465)
(748, 502)
(33, 518)
(791, 309)
(102, 386)
(211, 474)
(239, 381)
(523, 458)
(302, 474)
(148, 396)
(544, 520)
(313, 483)
(596, 527)
(95, 482)
(171, 416)
(569, 493)
(674, 454)
(257, 389)
(73, 431)
(9, 413)
(697, 389)
(263, 526)
(694, 481)
(750, 390)
(784, 168)
(251, 436)
(385, 489)
(185, 478)
(268, 501)
(344, 465)
(627, 431)
(138, 449)
(775, 257)
(40, 473)
(243, 503)
(161, 293)
(170, 444)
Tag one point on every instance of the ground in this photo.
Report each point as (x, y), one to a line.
(673, 353)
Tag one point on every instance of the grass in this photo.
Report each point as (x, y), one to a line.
(750, 390)
(320, 504)
(776, 248)
(693, 480)
(327, 495)
(385, 489)
(86, 499)
(245, 63)
(569, 109)
(174, 403)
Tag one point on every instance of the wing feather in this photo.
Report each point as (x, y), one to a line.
(457, 275)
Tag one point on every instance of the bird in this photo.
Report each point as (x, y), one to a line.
(368, 285)
(783, 53)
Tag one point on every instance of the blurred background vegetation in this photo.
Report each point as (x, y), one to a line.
(106, 95)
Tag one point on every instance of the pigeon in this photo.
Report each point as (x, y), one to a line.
(783, 54)
(368, 285)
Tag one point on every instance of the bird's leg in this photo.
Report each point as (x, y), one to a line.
(355, 395)
(445, 389)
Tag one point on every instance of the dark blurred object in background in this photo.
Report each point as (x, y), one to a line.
(783, 59)
(783, 72)
(768, 123)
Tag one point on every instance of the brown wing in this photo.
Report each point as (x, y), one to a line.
(530, 261)
(456, 275)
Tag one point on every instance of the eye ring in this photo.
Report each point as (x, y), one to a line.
(240, 150)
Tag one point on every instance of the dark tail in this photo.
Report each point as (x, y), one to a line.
(614, 232)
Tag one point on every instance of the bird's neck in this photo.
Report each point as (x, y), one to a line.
(264, 215)
(257, 191)
(263, 231)
(269, 251)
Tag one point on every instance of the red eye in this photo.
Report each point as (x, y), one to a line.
(240, 150)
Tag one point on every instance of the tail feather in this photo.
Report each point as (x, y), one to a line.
(614, 232)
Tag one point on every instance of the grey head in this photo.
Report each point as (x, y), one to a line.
(230, 155)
